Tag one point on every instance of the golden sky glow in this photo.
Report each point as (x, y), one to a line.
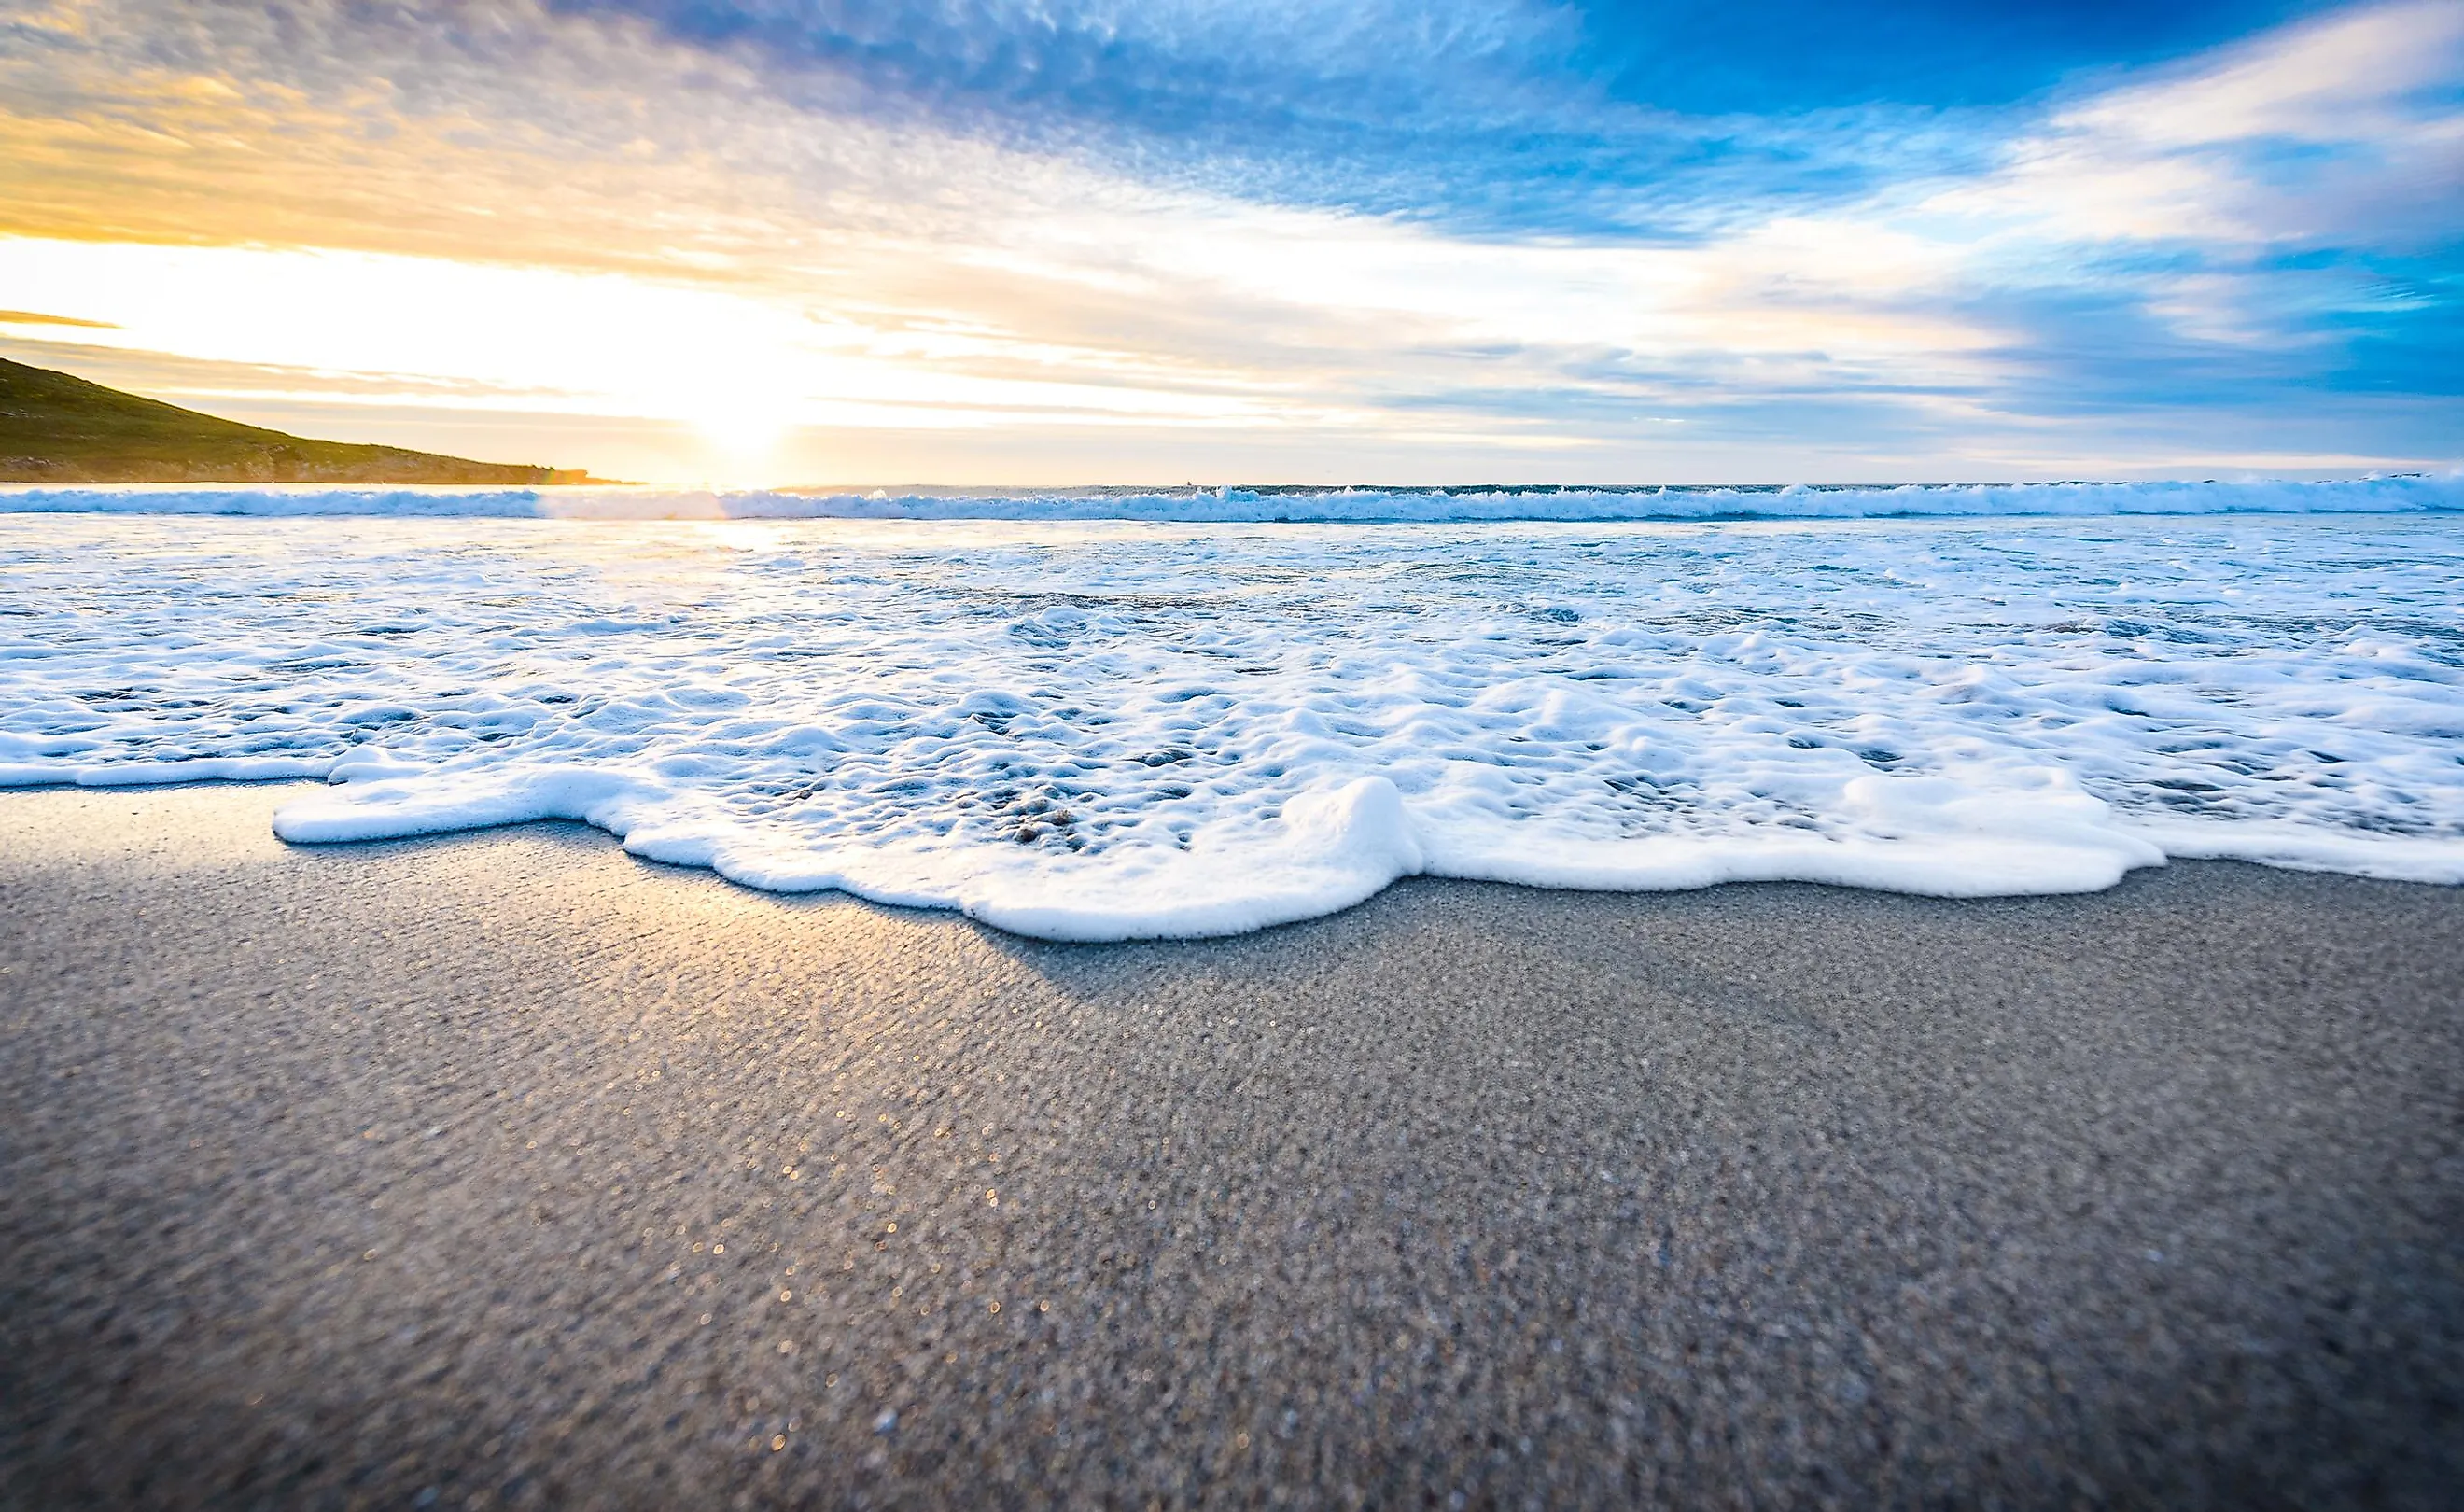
(576, 241)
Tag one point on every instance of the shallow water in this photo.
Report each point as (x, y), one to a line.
(1099, 729)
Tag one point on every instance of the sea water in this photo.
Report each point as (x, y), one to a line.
(1125, 724)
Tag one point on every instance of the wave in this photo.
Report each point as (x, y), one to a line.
(1111, 733)
(2404, 495)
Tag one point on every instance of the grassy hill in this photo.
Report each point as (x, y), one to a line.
(60, 428)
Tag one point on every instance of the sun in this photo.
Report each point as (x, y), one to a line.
(744, 424)
(744, 436)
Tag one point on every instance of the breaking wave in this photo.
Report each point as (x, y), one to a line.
(2378, 496)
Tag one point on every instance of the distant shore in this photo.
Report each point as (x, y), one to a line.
(506, 1165)
(412, 469)
(60, 428)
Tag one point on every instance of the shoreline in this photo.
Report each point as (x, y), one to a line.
(1212, 732)
(601, 803)
(373, 1170)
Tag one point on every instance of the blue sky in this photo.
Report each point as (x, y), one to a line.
(994, 240)
(1497, 119)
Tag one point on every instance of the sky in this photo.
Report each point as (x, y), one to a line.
(1037, 242)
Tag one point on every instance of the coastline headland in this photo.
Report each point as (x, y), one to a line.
(57, 428)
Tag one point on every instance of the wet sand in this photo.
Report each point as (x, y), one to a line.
(507, 1170)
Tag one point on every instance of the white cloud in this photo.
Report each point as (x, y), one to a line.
(579, 217)
(2343, 127)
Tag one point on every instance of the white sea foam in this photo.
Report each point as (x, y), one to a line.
(2381, 496)
(1097, 731)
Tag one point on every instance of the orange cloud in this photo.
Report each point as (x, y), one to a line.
(30, 317)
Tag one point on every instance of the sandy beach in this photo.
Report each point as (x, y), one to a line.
(1450, 754)
(505, 1170)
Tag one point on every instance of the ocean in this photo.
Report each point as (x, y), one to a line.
(1101, 714)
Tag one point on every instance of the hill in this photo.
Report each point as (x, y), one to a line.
(55, 427)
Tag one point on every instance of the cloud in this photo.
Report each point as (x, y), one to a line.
(2273, 220)
(30, 317)
(1596, 117)
(1486, 117)
(1388, 229)
(2346, 130)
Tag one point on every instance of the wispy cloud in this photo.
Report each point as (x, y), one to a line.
(32, 317)
(1280, 230)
